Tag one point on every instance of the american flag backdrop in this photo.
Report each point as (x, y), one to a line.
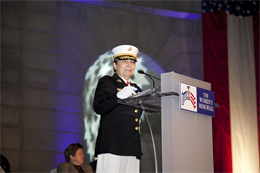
(237, 8)
(231, 65)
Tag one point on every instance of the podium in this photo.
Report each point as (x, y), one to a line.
(187, 145)
(186, 136)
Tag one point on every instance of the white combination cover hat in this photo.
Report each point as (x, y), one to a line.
(125, 52)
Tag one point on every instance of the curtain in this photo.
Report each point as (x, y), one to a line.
(231, 65)
(215, 57)
(257, 70)
(242, 92)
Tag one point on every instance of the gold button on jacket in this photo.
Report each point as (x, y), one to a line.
(136, 128)
(136, 111)
(136, 119)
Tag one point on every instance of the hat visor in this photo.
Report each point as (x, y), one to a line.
(129, 58)
(126, 57)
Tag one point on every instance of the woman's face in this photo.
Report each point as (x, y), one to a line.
(78, 158)
(124, 68)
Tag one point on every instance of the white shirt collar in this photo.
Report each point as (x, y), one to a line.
(123, 79)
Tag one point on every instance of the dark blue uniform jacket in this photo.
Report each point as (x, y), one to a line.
(119, 124)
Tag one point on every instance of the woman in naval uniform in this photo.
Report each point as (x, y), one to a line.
(118, 145)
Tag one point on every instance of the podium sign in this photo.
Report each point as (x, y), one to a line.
(197, 99)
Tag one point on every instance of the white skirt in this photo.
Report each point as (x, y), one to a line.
(110, 163)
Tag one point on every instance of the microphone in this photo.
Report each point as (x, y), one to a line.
(150, 76)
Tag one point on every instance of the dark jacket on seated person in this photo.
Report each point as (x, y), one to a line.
(67, 167)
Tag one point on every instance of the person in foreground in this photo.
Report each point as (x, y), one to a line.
(118, 146)
(5, 165)
(74, 160)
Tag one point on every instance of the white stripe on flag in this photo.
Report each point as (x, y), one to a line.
(242, 92)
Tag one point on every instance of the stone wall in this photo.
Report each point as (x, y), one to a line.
(46, 50)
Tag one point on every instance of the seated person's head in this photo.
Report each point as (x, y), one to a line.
(74, 154)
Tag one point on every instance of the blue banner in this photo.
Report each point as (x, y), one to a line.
(206, 102)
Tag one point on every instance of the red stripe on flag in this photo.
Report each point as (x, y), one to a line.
(215, 60)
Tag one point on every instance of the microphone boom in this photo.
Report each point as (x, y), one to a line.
(142, 72)
(150, 76)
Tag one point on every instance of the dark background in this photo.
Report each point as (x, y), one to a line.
(47, 48)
